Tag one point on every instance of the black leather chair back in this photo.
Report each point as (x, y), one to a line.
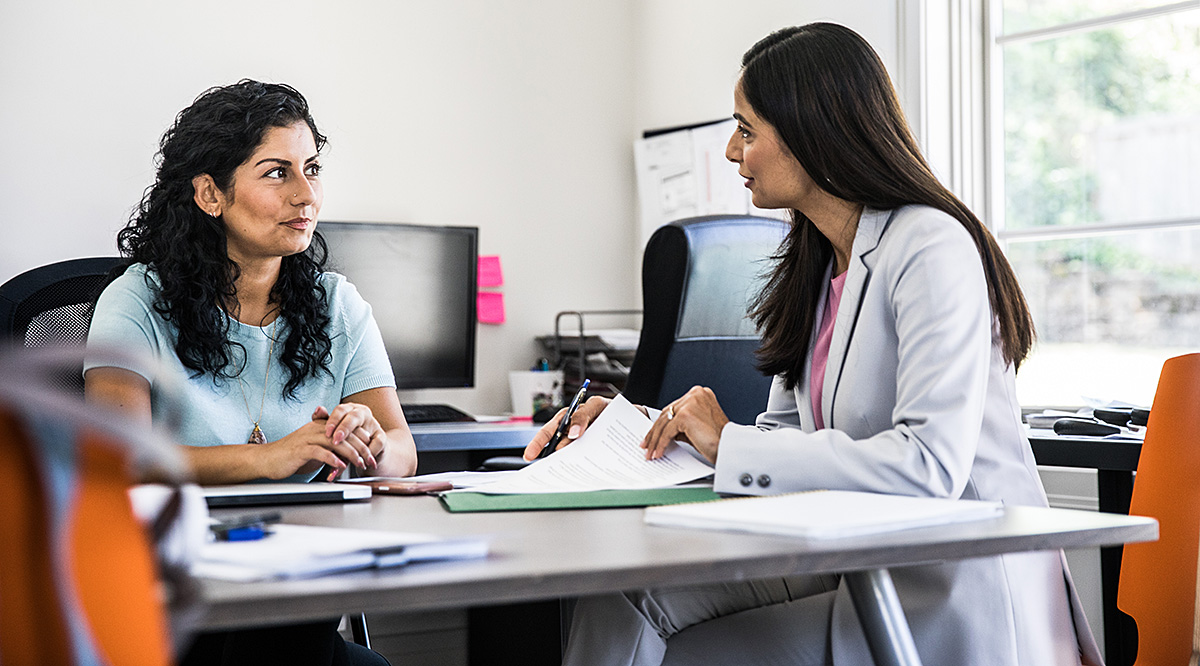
(698, 277)
(52, 304)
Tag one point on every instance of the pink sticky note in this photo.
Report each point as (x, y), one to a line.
(490, 307)
(489, 271)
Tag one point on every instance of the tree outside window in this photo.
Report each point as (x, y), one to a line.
(1100, 189)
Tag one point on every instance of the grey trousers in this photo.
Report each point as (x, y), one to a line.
(763, 622)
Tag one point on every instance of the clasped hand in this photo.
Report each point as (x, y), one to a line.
(348, 436)
(696, 418)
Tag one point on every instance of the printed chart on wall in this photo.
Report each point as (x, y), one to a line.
(683, 173)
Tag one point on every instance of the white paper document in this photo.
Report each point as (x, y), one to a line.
(301, 551)
(607, 457)
(824, 514)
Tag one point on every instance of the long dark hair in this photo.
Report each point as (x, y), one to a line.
(186, 247)
(828, 96)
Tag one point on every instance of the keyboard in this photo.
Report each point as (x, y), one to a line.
(434, 413)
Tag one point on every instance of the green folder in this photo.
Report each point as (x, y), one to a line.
(594, 499)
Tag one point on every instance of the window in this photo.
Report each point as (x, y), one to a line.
(1094, 187)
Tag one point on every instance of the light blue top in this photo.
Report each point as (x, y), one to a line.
(214, 411)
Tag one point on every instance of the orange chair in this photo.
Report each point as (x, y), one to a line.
(79, 582)
(1195, 660)
(1158, 580)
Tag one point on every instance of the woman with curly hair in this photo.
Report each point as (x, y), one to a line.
(225, 287)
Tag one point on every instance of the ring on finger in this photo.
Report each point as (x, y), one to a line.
(670, 412)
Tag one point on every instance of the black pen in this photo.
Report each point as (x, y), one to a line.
(565, 424)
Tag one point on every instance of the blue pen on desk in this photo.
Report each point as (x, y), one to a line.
(248, 533)
(245, 528)
(565, 424)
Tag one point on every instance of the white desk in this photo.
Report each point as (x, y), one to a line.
(550, 554)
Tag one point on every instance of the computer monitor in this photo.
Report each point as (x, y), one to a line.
(421, 284)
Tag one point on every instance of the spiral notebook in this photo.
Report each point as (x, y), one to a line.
(304, 551)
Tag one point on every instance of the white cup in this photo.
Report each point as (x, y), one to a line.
(533, 390)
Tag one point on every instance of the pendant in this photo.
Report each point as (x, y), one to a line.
(257, 436)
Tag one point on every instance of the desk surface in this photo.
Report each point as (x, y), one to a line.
(471, 436)
(1090, 452)
(1048, 448)
(548, 554)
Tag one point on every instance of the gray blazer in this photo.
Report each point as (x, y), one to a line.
(918, 400)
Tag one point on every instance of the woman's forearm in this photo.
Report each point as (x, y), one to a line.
(400, 457)
(233, 463)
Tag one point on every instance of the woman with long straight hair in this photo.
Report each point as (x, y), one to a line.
(893, 326)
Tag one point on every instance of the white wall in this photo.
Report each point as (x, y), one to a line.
(689, 52)
(516, 116)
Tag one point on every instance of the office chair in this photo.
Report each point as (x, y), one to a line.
(698, 277)
(1158, 584)
(77, 567)
(52, 305)
(1195, 659)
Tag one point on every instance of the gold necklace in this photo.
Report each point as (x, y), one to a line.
(256, 435)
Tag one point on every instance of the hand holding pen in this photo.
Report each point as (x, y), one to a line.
(565, 424)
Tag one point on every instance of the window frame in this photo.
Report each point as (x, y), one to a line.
(993, 75)
(950, 78)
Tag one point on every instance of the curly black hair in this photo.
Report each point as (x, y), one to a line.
(186, 247)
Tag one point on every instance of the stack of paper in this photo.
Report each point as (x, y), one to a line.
(821, 514)
(608, 456)
(604, 468)
(300, 551)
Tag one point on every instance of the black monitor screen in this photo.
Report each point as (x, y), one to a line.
(420, 282)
